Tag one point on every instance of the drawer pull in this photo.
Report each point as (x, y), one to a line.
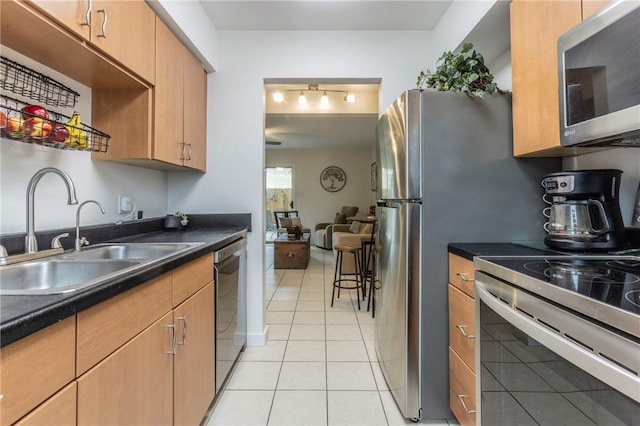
(461, 328)
(461, 398)
(291, 254)
(87, 17)
(173, 339)
(464, 278)
(184, 331)
(104, 23)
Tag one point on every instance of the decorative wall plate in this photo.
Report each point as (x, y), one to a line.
(333, 179)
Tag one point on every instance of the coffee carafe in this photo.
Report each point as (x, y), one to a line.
(584, 211)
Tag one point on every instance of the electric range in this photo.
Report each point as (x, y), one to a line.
(605, 288)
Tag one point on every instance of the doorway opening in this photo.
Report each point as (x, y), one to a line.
(278, 196)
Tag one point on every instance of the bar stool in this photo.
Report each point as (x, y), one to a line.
(338, 275)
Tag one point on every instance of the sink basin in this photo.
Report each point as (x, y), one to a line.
(54, 276)
(81, 269)
(128, 251)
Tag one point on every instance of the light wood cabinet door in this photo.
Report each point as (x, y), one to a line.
(105, 327)
(190, 278)
(125, 31)
(194, 363)
(462, 397)
(60, 409)
(168, 133)
(462, 329)
(134, 385)
(35, 367)
(461, 274)
(535, 28)
(73, 14)
(195, 113)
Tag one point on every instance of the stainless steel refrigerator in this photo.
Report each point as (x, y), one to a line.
(446, 173)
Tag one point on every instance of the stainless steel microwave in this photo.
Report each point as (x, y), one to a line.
(599, 78)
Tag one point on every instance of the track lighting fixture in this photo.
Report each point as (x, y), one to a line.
(278, 96)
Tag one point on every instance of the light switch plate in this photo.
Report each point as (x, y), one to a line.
(124, 203)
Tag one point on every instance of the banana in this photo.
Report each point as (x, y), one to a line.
(77, 136)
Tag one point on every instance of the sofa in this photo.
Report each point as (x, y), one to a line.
(323, 232)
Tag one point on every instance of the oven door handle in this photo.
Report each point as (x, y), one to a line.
(616, 376)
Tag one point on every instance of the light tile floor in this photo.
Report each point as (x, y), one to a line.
(319, 366)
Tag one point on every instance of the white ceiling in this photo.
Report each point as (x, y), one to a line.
(325, 15)
(295, 130)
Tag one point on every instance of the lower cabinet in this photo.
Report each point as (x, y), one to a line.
(134, 385)
(60, 409)
(194, 361)
(462, 332)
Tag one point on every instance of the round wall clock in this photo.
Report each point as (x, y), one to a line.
(333, 179)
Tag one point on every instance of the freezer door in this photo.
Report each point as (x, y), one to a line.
(397, 322)
(398, 150)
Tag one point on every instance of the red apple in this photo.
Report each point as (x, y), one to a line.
(36, 127)
(14, 124)
(3, 119)
(34, 111)
(59, 132)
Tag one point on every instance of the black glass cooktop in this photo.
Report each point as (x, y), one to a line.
(611, 280)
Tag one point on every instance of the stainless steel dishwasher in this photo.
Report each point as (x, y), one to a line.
(230, 265)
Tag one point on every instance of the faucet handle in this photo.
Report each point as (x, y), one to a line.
(82, 241)
(3, 251)
(55, 243)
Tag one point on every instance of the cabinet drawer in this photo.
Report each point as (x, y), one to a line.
(462, 396)
(34, 368)
(108, 325)
(461, 323)
(190, 278)
(461, 273)
(60, 409)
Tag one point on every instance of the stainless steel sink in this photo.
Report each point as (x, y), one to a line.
(140, 251)
(58, 276)
(81, 269)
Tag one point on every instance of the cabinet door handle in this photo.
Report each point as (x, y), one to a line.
(188, 152)
(461, 328)
(184, 330)
(104, 23)
(464, 278)
(461, 398)
(182, 151)
(87, 16)
(173, 339)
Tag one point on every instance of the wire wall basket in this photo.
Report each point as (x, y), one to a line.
(26, 82)
(48, 128)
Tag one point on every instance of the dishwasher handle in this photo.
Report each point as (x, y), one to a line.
(229, 250)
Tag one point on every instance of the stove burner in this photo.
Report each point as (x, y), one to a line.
(633, 297)
(626, 264)
(568, 274)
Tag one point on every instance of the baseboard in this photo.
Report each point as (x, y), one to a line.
(258, 339)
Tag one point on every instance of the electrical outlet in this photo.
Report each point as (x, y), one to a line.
(124, 203)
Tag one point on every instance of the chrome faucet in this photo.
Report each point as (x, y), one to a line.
(30, 243)
(82, 241)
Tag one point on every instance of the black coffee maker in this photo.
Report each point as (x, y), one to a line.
(584, 211)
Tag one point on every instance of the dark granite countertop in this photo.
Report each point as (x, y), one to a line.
(469, 250)
(23, 315)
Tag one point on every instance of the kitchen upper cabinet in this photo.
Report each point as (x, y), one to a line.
(134, 385)
(194, 365)
(121, 29)
(179, 103)
(535, 28)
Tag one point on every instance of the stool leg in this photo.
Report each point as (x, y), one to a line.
(358, 275)
(335, 277)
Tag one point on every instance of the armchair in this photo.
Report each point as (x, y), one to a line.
(287, 219)
(323, 232)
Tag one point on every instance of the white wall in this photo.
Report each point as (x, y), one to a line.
(235, 126)
(315, 204)
(625, 159)
(98, 180)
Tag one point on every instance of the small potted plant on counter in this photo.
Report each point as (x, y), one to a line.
(176, 221)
